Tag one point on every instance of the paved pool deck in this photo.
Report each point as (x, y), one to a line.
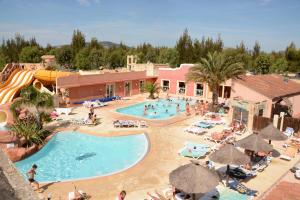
(166, 138)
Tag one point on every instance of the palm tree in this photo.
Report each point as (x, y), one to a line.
(152, 88)
(31, 132)
(215, 70)
(37, 103)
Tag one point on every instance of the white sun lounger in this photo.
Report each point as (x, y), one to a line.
(72, 194)
(66, 111)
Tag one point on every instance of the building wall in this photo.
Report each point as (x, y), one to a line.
(296, 105)
(174, 75)
(247, 94)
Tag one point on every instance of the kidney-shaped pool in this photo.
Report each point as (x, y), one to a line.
(71, 155)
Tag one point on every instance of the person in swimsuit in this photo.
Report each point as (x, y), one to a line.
(30, 174)
(121, 196)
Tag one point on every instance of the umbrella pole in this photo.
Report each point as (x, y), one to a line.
(269, 141)
(227, 175)
(194, 196)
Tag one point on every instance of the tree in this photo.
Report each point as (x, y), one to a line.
(78, 41)
(2, 60)
(82, 59)
(152, 88)
(96, 58)
(256, 50)
(116, 59)
(184, 47)
(263, 64)
(94, 44)
(214, 70)
(65, 56)
(168, 55)
(31, 132)
(38, 104)
(30, 55)
(279, 66)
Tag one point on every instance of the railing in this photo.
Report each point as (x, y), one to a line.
(8, 69)
(165, 88)
(199, 92)
(181, 91)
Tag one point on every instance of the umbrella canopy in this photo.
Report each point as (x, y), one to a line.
(228, 154)
(194, 178)
(272, 133)
(255, 143)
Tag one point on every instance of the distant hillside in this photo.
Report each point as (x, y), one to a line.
(105, 44)
(108, 44)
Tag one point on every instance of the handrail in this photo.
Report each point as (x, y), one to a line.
(8, 70)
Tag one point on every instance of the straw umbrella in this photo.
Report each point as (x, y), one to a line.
(228, 154)
(194, 178)
(255, 143)
(272, 133)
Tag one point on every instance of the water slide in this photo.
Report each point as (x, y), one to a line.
(22, 78)
(47, 77)
(17, 80)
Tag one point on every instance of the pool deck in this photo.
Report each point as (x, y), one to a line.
(166, 138)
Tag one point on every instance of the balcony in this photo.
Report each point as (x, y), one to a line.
(199, 92)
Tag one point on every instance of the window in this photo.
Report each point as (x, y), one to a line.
(142, 85)
(165, 85)
(227, 92)
(261, 112)
(220, 91)
(199, 89)
(129, 60)
(181, 87)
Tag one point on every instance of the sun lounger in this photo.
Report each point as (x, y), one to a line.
(196, 145)
(289, 132)
(193, 152)
(195, 130)
(203, 124)
(235, 185)
(289, 153)
(125, 123)
(66, 111)
(72, 194)
(142, 124)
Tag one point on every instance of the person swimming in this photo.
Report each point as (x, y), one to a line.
(167, 111)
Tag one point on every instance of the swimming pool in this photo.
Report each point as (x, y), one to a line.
(73, 155)
(162, 109)
(3, 128)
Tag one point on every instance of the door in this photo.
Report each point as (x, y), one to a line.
(110, 90)
(127, 89)
(142, 85)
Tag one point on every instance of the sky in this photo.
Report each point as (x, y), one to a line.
(274, 23)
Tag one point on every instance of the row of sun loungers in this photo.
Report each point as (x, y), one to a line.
(95, 104)
(129, 124)
(195, 130)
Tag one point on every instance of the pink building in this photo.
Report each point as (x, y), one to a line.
(263, 95)
(173, 80)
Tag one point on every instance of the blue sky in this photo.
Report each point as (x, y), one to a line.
(274, 23)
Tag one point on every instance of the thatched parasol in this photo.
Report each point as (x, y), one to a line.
(193, 179)
(255, 143)
(272, 133)
(228, 154)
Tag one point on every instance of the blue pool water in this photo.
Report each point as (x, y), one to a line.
(3, 128)
(164, 109)
(73, 155)
(228, 194)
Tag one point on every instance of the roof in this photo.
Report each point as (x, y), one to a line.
(77, 80)
(270, 85)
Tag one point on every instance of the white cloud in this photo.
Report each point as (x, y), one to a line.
(87, 2)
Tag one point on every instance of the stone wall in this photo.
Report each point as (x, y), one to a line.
(12, 184)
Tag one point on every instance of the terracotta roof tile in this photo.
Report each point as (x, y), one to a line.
(271, 85)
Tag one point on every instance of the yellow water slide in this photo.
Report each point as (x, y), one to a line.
(17, 80)
(47, 77)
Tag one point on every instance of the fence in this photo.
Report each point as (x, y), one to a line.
(261, 122)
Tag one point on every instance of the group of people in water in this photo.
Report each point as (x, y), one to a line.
(200, 107)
